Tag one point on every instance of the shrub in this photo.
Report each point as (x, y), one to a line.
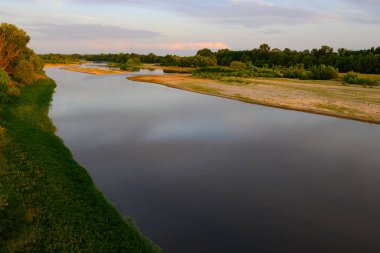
(238, 65)
(323, 72)
(4, 80)
(14, 91)
(37, 63)
(354, 78)
(23, 72)
(297, 71)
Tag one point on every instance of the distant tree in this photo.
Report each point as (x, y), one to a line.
(133, 61)
(264, 47)
(205, 52)
(203, 61)
(325, 50)
(238, 65)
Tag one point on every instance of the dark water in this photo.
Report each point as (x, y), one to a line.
(205, 174)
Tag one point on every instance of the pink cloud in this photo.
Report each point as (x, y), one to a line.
(115, 46)
(197, 45)
(122, 45)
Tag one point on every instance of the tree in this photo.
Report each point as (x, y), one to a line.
(23, 72)
(325, 50)
(13, 43)
(264, 47)
(205, 52)
(35, 60)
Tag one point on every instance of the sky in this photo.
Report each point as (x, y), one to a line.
(182, 26)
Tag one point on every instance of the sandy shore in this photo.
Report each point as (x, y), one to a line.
(330, 98)
(97, 71)
(57, 65)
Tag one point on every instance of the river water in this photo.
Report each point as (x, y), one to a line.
(205, 174)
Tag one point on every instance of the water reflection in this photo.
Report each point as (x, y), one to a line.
(206, 174)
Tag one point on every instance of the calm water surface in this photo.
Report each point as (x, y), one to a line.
(205, 174)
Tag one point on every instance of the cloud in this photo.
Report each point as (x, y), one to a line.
(195, 45)
(259, 13)
(177, 46)
(4, 13)
(371, 7)
(54, 3)
(87, 32)
(74, 16)
(240, 12)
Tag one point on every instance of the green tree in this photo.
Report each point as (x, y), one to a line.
(205, 52)
(264, 47)
(13, 43)
(23, 72)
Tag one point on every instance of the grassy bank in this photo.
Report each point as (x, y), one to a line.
(48, 203)
(330, 97)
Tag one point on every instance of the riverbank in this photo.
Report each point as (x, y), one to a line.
(59, 65)
(48, 203)
(97, 71)
(330, 98)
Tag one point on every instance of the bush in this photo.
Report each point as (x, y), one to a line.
(238, 65)
(219, 72)
(354, 78)
(23, 72)
(37, 63)
(323, 72)
(297, 71)
(4, 80)
(14, 91)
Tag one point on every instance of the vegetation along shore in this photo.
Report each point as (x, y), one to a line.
(48, 203)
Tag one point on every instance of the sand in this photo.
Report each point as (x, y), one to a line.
(321, 97)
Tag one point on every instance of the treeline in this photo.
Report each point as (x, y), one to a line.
(61, 58)
(238, 70)
(363, 61)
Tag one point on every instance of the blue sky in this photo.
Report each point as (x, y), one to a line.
(182, 27)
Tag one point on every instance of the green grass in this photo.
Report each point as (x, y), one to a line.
(204, 89)
(48, 203)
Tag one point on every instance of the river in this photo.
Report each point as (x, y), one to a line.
(205, 174)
